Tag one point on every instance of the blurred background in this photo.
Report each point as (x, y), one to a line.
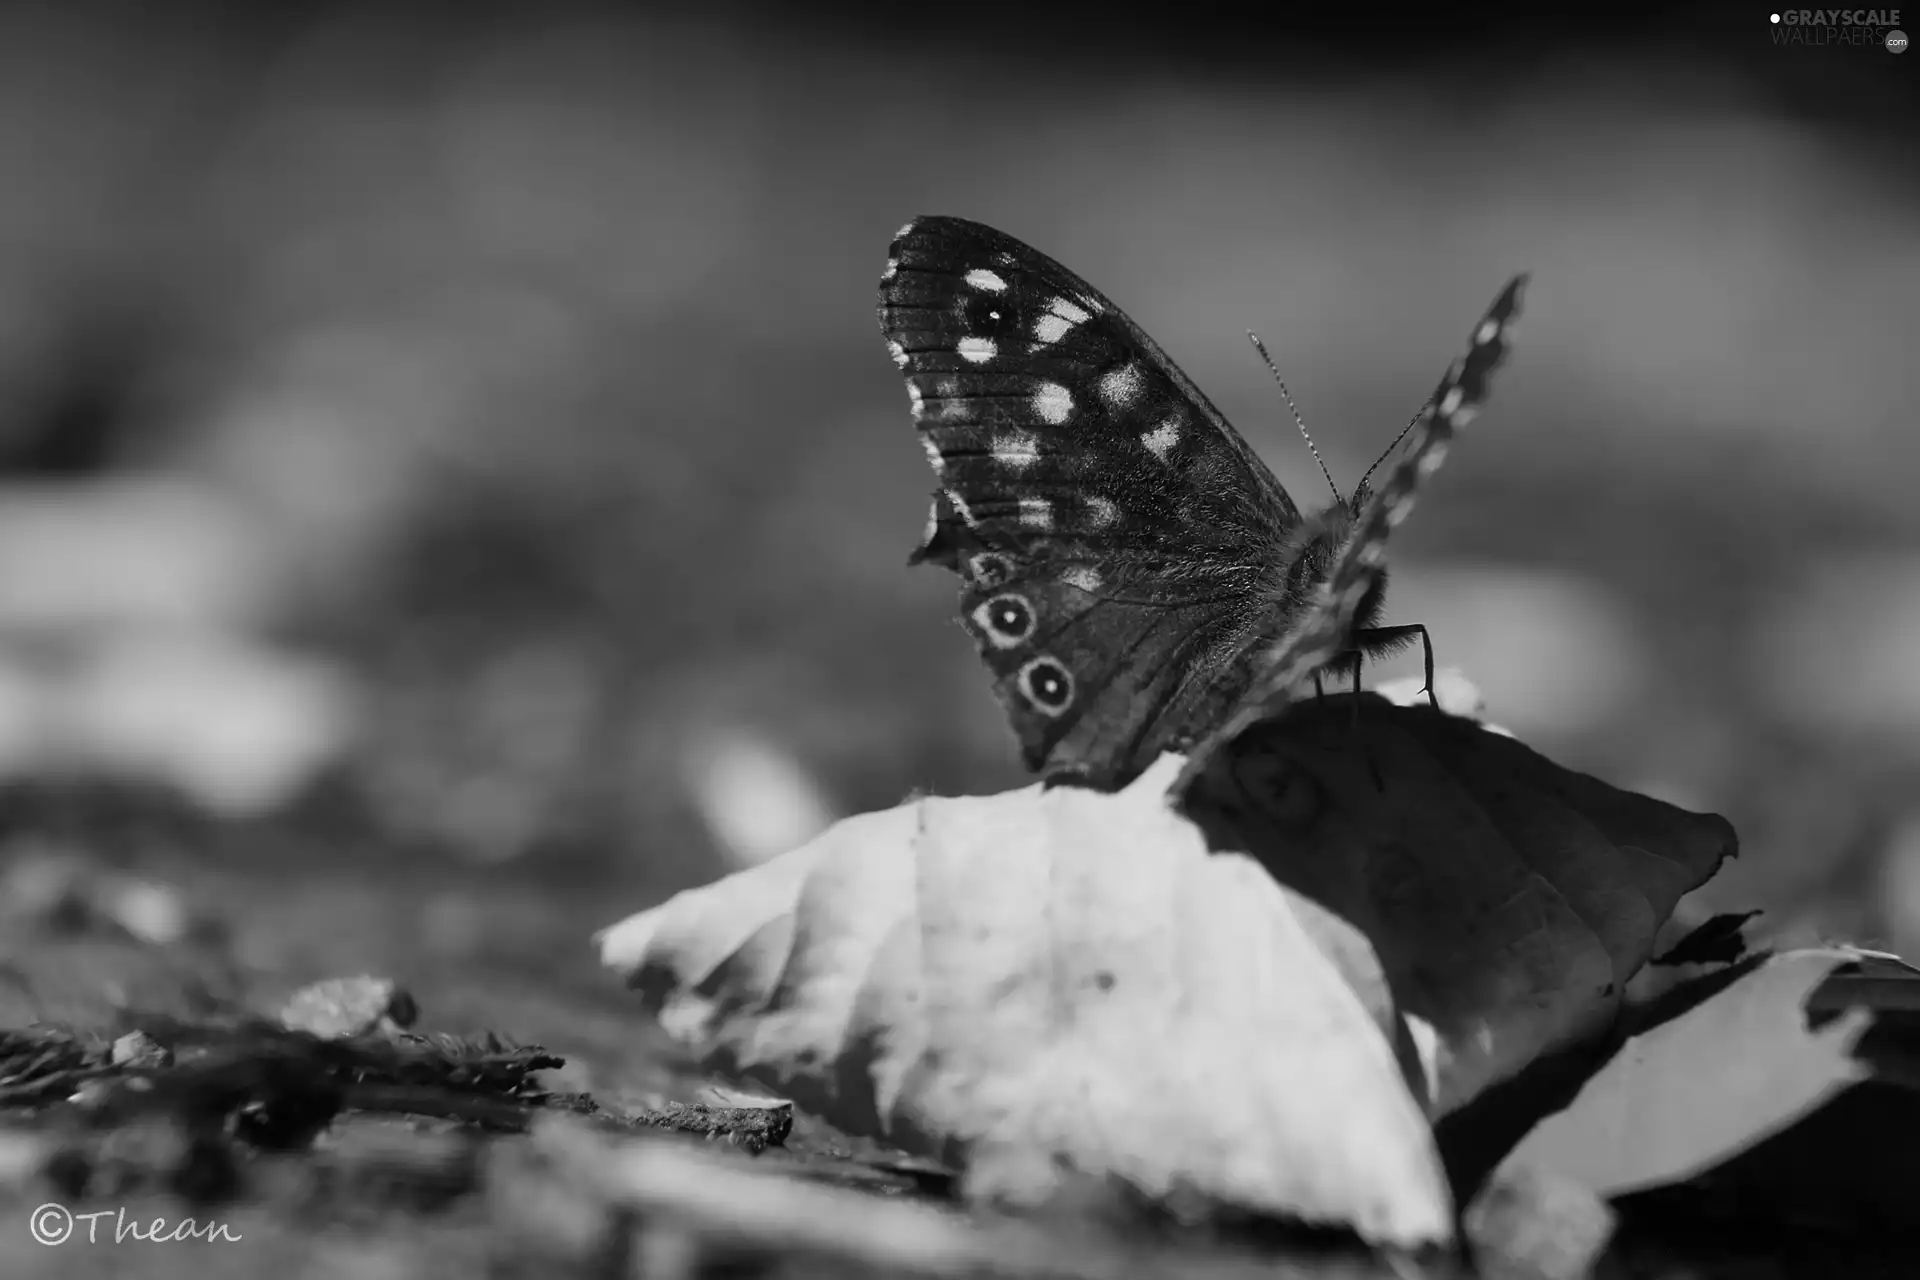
(448, 441)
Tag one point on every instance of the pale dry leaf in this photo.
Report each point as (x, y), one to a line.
(1508, 899)
(1687, 1095)
(1051, 982)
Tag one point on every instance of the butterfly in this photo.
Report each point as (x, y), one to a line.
(1136, 579)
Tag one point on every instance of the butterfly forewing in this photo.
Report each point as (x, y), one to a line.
(1323, 631)
(1455, 403)
(1112, 531)
(1029, 385)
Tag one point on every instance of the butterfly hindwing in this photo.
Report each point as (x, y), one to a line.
(1091, 672)
(1083, 472)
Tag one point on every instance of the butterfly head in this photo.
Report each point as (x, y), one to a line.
(1316, 545)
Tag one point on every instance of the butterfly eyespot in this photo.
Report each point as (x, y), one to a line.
(977, 350)
(1160, 441)
(987, 569)
(1121, 387)
(981, 278)
(1046, 685)
(1011, 449)
(1007, 620)
(1052, 403)
(1101, 512)
(1036, 513)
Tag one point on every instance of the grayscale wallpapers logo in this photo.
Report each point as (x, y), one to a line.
(1862, 27)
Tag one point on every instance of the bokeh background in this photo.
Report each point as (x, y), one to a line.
(461, 436)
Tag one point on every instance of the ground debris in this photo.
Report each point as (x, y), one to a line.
(571, 1197)
(44, 1063)
(340, 1008)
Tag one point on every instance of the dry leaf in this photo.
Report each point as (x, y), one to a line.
(1055, 980)
(1060, 980)
(1508, 899)
(1685, 1096)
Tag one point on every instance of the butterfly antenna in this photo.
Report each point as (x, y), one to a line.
(1298, 421)
(1390, 448)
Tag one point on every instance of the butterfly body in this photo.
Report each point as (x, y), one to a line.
(1133, 574)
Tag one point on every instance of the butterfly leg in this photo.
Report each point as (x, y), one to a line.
(1387, 639)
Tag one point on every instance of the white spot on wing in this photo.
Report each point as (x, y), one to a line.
(1100, 513)
(1161, 439)
(1015, 450)
(960, 505)
(1082, 576)
(981, 278)
(933, 525)
(1059, 318)
(1463, 415)
(893, 265)
(977, 350)
(933, 454)
(906, 229)
(1036, 513)
(1121, 387)
(1430, 461)
(898, 352)
(915, 400)
(1489, 330)
(1050, 328)
(1450, 403)
(1052, 402)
